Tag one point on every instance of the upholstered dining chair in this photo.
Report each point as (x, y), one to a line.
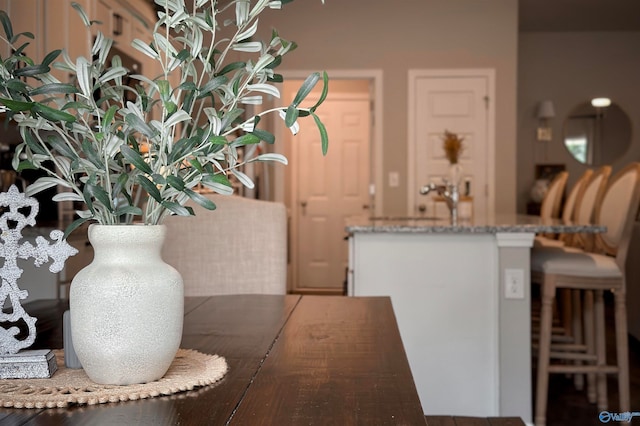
(552, 200)
(592, 273)
(588, 203)
(569, 306)
(568, 210)
(239, 248)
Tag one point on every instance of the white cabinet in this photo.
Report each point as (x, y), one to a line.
(467, 345)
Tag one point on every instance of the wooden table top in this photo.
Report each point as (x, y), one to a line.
(292, 360)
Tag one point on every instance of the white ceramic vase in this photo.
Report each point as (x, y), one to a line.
(126, 306)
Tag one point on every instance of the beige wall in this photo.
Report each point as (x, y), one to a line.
(569, 68)
(397, 36)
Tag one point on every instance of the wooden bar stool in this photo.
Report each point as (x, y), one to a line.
(591, 273)
(568, 327)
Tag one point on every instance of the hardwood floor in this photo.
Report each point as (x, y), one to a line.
(568, 406)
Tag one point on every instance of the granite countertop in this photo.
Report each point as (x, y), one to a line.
(499, 223)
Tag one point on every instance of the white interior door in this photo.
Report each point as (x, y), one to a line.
(458, 101)
(329, 190)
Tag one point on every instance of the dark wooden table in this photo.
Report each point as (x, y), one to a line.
(293, 360)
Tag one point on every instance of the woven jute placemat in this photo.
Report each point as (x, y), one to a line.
(190, 369)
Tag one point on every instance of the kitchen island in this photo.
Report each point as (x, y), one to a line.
(461, 295)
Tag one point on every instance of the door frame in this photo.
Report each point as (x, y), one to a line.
(375, 77)
(490, 75)
(375, 153)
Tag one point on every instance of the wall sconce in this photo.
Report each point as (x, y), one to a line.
(545, 112)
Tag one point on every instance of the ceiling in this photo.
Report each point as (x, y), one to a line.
(579, 15)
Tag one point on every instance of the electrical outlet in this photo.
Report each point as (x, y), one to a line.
(514, 283)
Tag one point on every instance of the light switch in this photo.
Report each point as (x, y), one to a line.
(394, 179)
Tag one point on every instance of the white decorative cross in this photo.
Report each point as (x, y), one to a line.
(22, 212)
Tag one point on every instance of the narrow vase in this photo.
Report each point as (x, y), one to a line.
(126, 306)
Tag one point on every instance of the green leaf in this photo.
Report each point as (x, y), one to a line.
(17, 86)
(50, 88)
(306, 88)
(182, 148)
(51, 114)
(6, 24)
(176, 118)
(67, 196)
(230, 117)
(74, 225)
(31, 70)
(108, 116)
(325, 90)
(41, 184)
(164, 89)
(218, 183)
(176, 208)
(58, 143)
(34, 144)
(200, 199)
(76, 105)
(141, 46)
(91, 154)
(268, 137)
(291, 116)
(277, 60)
(136, 159)
(188, 101)
(150, 188)
(17, 105)
(26, 165)
(211, 85)
(270, 156)
(136, 122)
(323, 134)
(188, 85)
(99, 194)
(176, 182)
(217, 140)
(51, 56)
(247, 139)
(277, 78)
(132, 210)
(232, 66)
(83, 15)
(183, 55)
(158, 179)
(196, 165)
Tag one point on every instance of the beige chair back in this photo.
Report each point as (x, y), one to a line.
(240, 248)
(551, 203)
(592, 195)
(618, 211)
(568, 212)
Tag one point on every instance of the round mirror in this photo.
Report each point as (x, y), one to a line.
(597, 135)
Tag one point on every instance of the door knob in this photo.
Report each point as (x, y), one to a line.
(422, 208)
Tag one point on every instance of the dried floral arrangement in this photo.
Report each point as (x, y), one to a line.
(452, 145)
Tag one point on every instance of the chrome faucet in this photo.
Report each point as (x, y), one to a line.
(449, 192)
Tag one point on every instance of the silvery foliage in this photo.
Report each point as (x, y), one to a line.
(113, 147)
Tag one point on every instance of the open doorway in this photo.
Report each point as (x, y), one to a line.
(323, 193)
